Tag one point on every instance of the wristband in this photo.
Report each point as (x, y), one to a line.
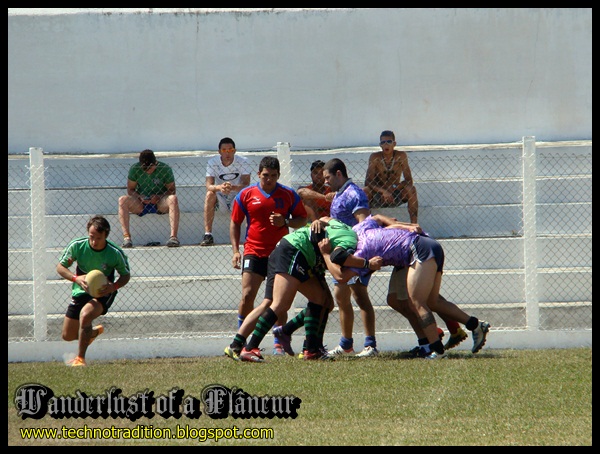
(116, 286)
(74, 278)
(366, 265)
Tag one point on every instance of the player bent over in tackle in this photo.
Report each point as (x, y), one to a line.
(406, 245)
(294, 265)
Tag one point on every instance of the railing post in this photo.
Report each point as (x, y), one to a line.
(38, 243)
(530, 234)
(285, 161)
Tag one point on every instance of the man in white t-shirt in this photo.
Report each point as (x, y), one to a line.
(226, 175)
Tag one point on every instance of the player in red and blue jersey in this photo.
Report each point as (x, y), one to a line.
(269, 209)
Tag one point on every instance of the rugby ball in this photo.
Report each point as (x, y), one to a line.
(95, 280)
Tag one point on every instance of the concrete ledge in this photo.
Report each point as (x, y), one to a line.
(493, 287)
(461, 254)
(104, 200)
(440, 222)
(212, 345)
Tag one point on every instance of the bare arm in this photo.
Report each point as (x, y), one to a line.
(309, 194)
(131, 190)
(393, 223)
(278, 220)
(111, 287)
(408, 179)
(65, 273)
(343, 273)
(244, 182)
(372, 181)
(234, 238)
(171, 189)
(227, 187)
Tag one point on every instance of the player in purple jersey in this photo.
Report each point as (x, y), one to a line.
(350, 205)
(406, 245)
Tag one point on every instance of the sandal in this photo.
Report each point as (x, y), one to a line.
(173, 242)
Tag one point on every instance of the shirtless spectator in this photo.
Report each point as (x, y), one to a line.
(317, 196)
(384, 185)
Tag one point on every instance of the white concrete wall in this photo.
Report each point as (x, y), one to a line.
(121, 80)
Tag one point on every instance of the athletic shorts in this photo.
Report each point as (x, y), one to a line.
(78, 302)
(364, 280)
(378, 201)
(397, 283)
(424, 248)
(286, 259)
(254, 264)
(150, 208)
(224, 202)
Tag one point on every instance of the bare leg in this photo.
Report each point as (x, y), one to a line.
(210, 202)
(173, 203)
(128, 204)
(250, 285)
(90, 311)
(404, 307)
(423, 287)
(409, 193)
(342, 295)
(251, 319)
(361, 296)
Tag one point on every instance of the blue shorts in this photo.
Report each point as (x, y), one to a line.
(150, 208)
(424, 248)
(364, 280)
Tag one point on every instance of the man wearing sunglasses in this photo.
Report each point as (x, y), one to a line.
(384, 185)
(150, 189)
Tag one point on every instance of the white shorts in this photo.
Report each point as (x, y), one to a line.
(225, 201)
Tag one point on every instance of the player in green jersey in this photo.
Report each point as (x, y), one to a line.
(296, 265)
(92, 252)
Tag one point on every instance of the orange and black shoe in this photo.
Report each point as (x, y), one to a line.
(252, 356)
(320, 354)
(78, 361)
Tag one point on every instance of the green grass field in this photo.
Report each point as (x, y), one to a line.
(494, 398)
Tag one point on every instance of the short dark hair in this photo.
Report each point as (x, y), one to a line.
(316, 164)
(335, 164)
(147, 158)
(269, 162)
(387, 133)
(226, 140)
(100, 223)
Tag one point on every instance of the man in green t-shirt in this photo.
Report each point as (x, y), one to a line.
(91, 252)
(150, 189)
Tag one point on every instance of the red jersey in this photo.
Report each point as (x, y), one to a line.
(255, 205)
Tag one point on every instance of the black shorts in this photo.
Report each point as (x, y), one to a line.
(78, 302)
(424, 248)
(378, 201)
(254, 264)
(286, 259)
